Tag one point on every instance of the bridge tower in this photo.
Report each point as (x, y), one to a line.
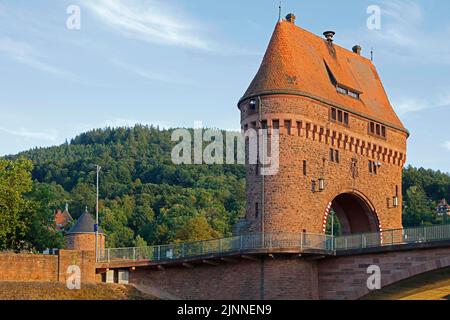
(342, 146)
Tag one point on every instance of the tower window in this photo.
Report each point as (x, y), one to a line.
(288, 126)
(333, 114)
(373, 167)
(339, 116)
(256, 209)
(276, 124)
(264, 124)
(299, 128)
(305, 168)
(334, 156)
(377, 130)
(253, 105)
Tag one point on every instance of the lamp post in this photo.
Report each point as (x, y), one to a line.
(332, 229)
(96, 216)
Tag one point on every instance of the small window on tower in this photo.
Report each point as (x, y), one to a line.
(256, 209)
(346, 118)
(264, 124)
(253, 105)
(333, 114)
(305, 168)
(288, 127)
(276, 124)
(372, 128)
(340, 116)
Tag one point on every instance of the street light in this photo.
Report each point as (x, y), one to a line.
(96, 216)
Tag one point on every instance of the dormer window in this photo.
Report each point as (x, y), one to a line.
(348, 92)
(342, 90)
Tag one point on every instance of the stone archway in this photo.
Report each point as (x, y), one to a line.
(355, 214)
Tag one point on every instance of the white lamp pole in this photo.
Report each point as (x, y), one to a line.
(96, 217)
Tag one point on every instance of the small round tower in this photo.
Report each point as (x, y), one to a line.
(82, 235)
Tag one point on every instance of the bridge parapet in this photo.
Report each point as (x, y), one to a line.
(318, 244)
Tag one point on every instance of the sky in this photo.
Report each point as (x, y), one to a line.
(176, 62)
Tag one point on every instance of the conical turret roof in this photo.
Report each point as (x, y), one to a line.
(85, 224)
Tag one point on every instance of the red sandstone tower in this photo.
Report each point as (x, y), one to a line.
(342, 146)
(82, 236)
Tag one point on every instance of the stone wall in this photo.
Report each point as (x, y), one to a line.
(37, 267)
(267, 278)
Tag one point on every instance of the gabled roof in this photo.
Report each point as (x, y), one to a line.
(85, 224)
(299, 62)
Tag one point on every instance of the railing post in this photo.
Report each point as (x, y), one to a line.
(109, 257)
(182, 250)
(241, 242)
(134, 254)
(301, 241)
(159, 253)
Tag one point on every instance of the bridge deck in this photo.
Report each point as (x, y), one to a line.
(248, 246)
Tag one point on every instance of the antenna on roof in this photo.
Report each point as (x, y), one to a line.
(279, 10)
(371, 54)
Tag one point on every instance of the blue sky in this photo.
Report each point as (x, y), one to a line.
(174, 62)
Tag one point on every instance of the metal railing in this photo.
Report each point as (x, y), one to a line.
(285, 241)
(302, 242)
(393, 237)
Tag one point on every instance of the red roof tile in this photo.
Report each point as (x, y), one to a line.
(296, 62)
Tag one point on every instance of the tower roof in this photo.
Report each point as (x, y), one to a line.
(85, 224)
(301, 63)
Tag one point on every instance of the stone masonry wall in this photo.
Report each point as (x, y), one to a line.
(268, 279)
(290, 205)
(37, 267)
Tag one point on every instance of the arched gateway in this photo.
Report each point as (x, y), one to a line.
(355, 214)
(341, 145)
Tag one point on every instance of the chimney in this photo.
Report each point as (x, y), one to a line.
(357, 49)
(329, 35)
(290, 18)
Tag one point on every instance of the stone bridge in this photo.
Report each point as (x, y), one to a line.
(275, 266)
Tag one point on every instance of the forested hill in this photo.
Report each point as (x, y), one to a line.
(144, 195)
(146, 199)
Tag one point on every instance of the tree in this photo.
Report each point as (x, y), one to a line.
(417, 210)
(15, 209)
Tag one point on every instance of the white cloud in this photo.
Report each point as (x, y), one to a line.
(25, 133)
(408, 105)
(446, 145)
(151, 21)
(26, 54)
(148, 75)
(403, 35)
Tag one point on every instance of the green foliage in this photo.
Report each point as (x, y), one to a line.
(26, 216)
(143, 195)
(422, 191)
